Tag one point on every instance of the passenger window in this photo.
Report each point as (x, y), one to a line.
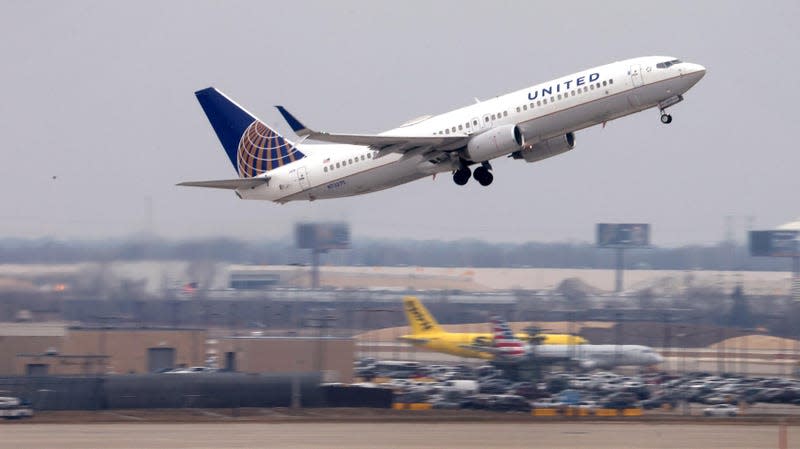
(447, 131)
(363, 157)
(525, 107)
(350, 161)
(585, 89)
(467, 124)
(460, 128)
(559, 96)
(331, 167)
(591, 86)
(325, 169)
(454, 129)
(369, 155)
(494, 117)
(487, 118)
(505, 113)
(518, 109)
(611, 81)
(539, 103)
(605, 83)
(337, 165)
(475, 122)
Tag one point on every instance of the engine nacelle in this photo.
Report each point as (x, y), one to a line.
(546, 148)
(494, 143)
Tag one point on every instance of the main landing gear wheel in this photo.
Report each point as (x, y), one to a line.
(666, 118)
(483, 176)
(461, 176)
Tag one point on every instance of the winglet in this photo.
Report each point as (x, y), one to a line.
(295, 124)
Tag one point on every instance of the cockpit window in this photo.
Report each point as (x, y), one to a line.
(668, 64)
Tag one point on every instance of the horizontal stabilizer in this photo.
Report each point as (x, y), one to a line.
(230, 184)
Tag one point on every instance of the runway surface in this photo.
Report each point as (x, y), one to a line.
(391, 435)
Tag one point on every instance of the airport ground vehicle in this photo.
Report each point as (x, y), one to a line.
(14, 408)
(721, 410)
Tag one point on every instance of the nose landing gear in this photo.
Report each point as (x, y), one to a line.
(666, 118)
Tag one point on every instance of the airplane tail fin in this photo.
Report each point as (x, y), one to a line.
(504, 340)
(420, 320)
(252, 146)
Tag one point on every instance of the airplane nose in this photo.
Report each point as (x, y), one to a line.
(699, 70)
(696, 71)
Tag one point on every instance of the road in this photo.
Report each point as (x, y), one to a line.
(391, 435)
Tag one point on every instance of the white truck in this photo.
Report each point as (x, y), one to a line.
(13, 408)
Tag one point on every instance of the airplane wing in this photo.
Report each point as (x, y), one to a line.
(230, 184)
(382, 143)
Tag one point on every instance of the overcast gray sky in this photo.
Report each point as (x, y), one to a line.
(100, 95)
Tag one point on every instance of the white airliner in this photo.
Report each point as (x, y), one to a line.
(508, 349)
(529, 124)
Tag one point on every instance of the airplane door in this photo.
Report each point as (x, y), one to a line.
(474, 125)
(302, 178)
(484, 122)
(636, 75)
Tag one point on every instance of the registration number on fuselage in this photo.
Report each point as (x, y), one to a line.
(336, 185)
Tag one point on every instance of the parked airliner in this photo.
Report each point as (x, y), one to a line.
(529, 124)
(507, 349)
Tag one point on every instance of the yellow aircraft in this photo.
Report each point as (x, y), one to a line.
(427, 333)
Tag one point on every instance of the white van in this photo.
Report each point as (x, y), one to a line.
(464, 387)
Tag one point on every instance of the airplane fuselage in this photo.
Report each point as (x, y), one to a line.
(600, 356)
(543, 114)
(457, 343)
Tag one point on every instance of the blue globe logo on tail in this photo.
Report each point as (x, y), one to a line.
(262, 149)
(252, 147)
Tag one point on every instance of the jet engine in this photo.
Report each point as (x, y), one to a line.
(546, 148)
(493, 143)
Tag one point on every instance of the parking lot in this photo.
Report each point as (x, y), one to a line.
(488, 388)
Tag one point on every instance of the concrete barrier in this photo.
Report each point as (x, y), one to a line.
(412, 406)
(632, 412)
(544, 412)
(605, 412)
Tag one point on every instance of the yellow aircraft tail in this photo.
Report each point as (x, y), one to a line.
(420, 320)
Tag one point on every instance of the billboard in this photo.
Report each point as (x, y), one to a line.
(775, 243)
(322, 236)
(623, 235)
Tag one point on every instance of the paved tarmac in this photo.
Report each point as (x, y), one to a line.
(392, 435)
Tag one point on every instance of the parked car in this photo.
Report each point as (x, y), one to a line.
(495, 386)
(477, 402)
(547, 403)
(14, 408)
(510, 403)
(721, 410)
(658, 402)
(620, 400)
